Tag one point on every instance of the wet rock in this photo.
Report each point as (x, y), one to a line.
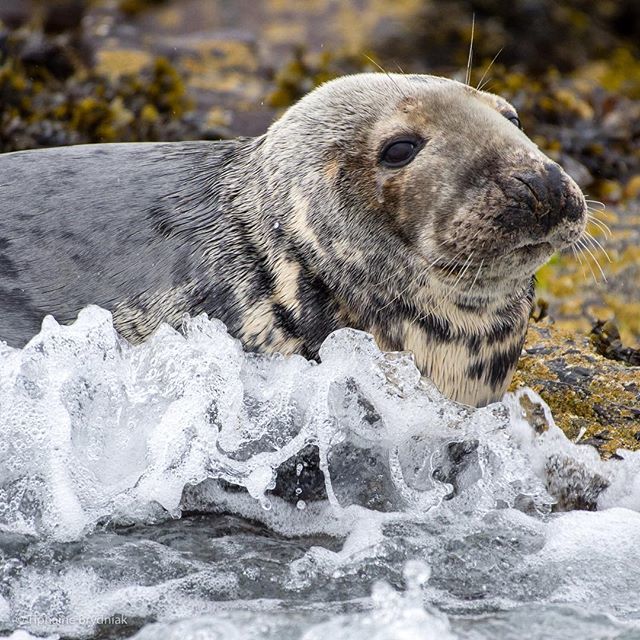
(458, 466)
(300, 477)
(39, 53)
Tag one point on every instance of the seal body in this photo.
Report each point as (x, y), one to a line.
(410, 207)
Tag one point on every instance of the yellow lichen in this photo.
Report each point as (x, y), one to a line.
(119, 62)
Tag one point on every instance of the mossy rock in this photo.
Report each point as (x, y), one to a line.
(594, 399)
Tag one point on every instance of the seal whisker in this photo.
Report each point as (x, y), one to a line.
(449, 267)
(599, 223)
(409, 285)
(396, 297)
(412, 284)
(383, 70)
(475, 279)
(596, 245)
(579, 258)
(487, 87)
(454, 287)
(451, 264)
(470, 58)
(480, 84)
(393, 274)
(593, 257)
(601, 204)
(447, 263)
(464, 266)
(581, 250)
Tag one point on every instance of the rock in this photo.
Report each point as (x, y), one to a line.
(593, 398)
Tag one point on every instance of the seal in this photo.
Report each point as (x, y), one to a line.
(412, 207)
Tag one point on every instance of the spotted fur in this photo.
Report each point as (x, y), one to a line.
(293, 234)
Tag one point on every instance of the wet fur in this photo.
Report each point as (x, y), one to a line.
(291, 235)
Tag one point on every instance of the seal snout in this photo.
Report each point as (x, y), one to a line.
(552, 196)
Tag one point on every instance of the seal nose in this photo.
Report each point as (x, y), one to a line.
(557, 197)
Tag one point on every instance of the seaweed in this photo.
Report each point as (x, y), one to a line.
(51, 95)
(605, 337)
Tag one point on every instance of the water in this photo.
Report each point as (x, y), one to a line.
(184, 489)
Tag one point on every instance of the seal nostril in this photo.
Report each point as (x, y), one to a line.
(564, 196)
(531, 189)
(555, 179)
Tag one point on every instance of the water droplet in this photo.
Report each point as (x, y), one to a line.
(301, 504)
(416, 573)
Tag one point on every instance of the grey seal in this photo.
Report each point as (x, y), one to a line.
(409, 206)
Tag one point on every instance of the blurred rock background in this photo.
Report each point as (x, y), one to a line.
(76, 71)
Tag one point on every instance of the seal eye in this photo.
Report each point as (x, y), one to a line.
(513, 118)
(399, 153)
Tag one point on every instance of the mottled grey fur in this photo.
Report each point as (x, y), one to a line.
(298, 232)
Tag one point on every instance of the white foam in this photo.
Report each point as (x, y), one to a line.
(97, 429)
